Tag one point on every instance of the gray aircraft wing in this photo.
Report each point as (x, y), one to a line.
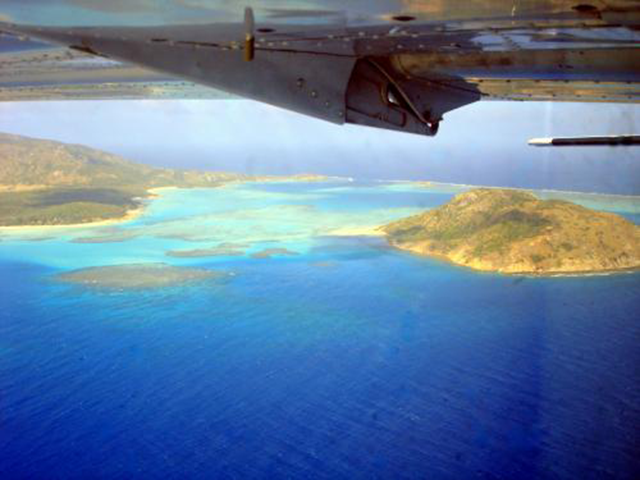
(397, 64)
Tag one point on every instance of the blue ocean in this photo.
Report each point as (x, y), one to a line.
(335, 357)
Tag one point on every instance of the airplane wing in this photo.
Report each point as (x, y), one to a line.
(398, 65)
(38, 71)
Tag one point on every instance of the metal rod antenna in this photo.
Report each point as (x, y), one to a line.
(249, 36)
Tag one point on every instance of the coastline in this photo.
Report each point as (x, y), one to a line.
(129, 215)
(363, 231)
(156, 192)
(532, 274)
(368, 230)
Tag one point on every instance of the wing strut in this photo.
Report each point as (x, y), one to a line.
(249, 38)
(599, 141)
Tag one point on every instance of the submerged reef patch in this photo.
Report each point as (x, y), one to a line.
(137, 276)
(270, 252)
(206, 252)
(116, 237)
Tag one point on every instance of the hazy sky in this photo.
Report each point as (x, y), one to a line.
(485, 143)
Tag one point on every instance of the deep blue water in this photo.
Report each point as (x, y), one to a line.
(349, 361)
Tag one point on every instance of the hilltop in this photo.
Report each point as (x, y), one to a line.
(513, 231)
(44, 182)
(27, 163)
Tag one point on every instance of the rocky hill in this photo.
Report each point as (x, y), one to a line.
(27, 163)
(514, 232)
(44, 182)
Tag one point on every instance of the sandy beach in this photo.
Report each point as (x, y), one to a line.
(157, 191)
(367, 230)
(129, 216)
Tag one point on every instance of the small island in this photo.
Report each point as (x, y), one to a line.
(512, 231)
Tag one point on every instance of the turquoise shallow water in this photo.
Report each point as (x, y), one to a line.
(348, 360)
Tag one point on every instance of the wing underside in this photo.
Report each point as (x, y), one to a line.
(402, 70)
(45, 72)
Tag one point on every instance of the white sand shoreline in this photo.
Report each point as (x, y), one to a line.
(130, 215)
(362, 231)
(127, 217)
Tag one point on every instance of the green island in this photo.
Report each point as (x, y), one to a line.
(44, 182)
(136, 276)
(512, 231)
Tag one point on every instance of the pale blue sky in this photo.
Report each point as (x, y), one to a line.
(484, 143)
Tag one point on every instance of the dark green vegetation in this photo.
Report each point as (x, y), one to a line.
(513, 231)
(50, 183)
(136, 276)
(60, 206)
